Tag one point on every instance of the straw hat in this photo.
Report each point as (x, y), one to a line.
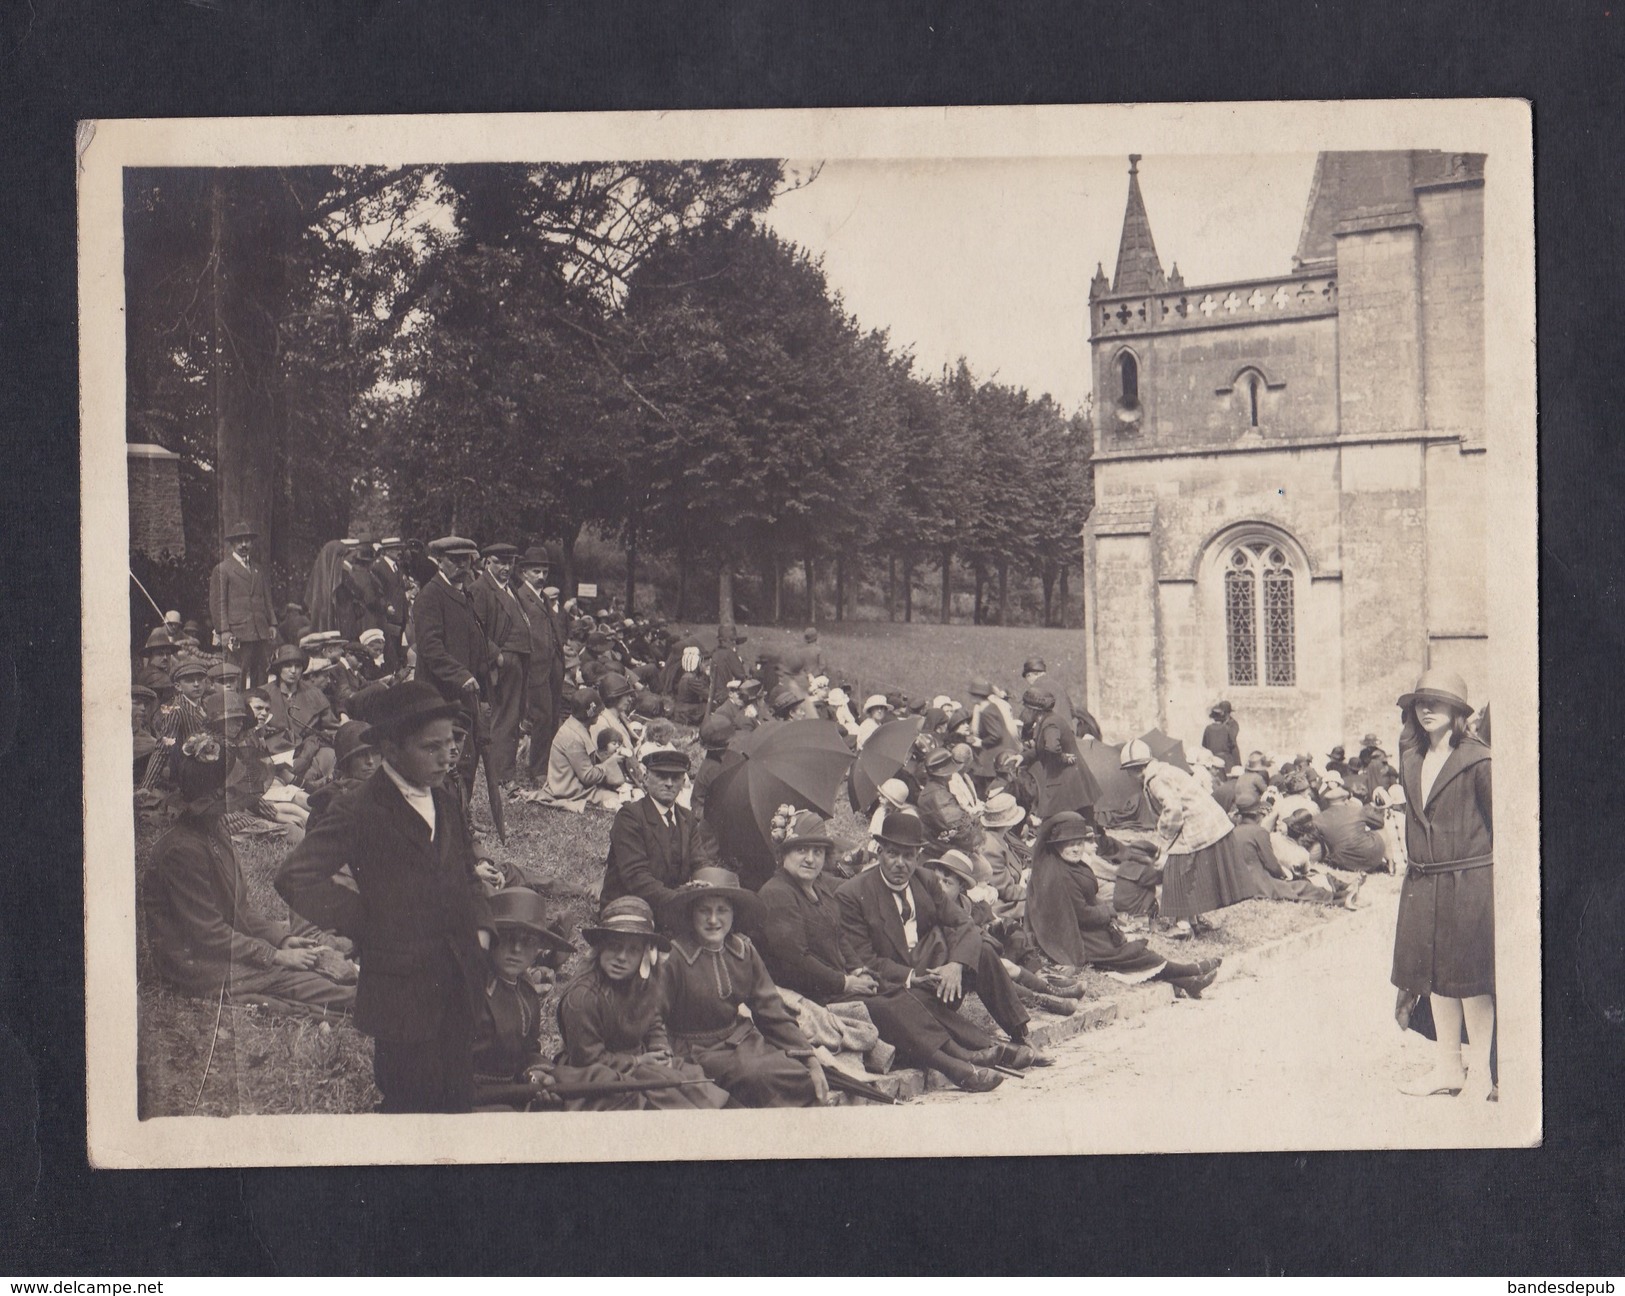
(707, 883)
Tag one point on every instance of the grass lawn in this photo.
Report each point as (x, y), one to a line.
(923, 659)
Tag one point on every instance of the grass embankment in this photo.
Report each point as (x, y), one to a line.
(924, 660)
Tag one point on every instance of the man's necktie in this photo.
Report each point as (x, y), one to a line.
(908, 909)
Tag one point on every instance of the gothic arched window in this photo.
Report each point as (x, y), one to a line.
(1128, 380)
(1260, 618)
(1252, 396)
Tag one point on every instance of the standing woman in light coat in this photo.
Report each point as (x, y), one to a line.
(1205, 869)
(1444, 944)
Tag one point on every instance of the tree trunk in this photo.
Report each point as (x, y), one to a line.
(1063, 598)
(891, 587)
(249, 235)
(778, 589)
(947, 583)
(976, 599)
(1004, 593)
(725, 592)
(631, 567)
(567, 543)
(1047, 577)
(811, 570)
(840, 587)
(682, 581)
(908, 588)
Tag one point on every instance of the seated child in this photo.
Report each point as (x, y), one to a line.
(722, 1008)
(507, 1033)
(955, 874)
(1134, 895)
(611, 1022)
(610, 758)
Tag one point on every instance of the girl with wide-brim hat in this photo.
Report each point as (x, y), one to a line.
(1072, 926)
(711, 975)
(611, 1020)
(507, 1029)
(1444, 941)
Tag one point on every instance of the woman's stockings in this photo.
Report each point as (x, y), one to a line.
(1479, 1012)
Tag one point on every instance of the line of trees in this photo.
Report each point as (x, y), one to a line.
(532, 350)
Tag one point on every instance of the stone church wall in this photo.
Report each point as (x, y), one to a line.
(1181, 375)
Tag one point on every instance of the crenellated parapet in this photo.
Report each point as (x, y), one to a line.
(1176, 308)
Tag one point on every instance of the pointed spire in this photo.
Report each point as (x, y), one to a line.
(1138, 267)
(1099, 286)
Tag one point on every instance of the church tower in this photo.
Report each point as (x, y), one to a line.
(1286, 467)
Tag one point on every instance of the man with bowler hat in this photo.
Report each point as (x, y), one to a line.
(240, 606)
(655, 844)
(454, 653)
(897, 924)
(417, 912)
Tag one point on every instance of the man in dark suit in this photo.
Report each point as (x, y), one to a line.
(392, 582)
(544, 687)
(896, 923)
(507, 625)
(654, 844)
(453, 651)
(240, 607)
(417, 911)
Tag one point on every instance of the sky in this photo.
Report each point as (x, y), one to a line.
(991, 258)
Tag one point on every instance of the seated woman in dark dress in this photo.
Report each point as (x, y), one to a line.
(801, 942)
(711, 973)
(1072, 926)
(507, 1033)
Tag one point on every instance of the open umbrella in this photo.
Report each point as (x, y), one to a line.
(1168, 750)
(1122, 801)
(882, 756)
(799, 763)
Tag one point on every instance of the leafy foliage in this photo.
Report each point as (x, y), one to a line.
(530, 350)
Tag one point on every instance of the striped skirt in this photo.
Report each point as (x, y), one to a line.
(1208, 879)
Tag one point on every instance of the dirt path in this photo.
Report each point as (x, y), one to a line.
(1297, 1050)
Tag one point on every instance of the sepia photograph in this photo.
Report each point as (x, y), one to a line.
(830, 633)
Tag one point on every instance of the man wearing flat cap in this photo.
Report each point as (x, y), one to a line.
(507, 625)
(655, 844)
(453, 651)
(240, 606)
(417, 912)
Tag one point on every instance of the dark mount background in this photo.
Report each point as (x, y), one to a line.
(1553, 1211)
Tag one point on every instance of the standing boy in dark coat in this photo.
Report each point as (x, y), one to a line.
(417, 914)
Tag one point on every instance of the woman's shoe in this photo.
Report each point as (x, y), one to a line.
(1435, 1082)
(1204, 966)
(1055, 1004)
(1479, 1088)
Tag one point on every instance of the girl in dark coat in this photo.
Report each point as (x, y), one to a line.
(1074, 929)
(611, 1021)
(713, 972)
(1444, 944)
